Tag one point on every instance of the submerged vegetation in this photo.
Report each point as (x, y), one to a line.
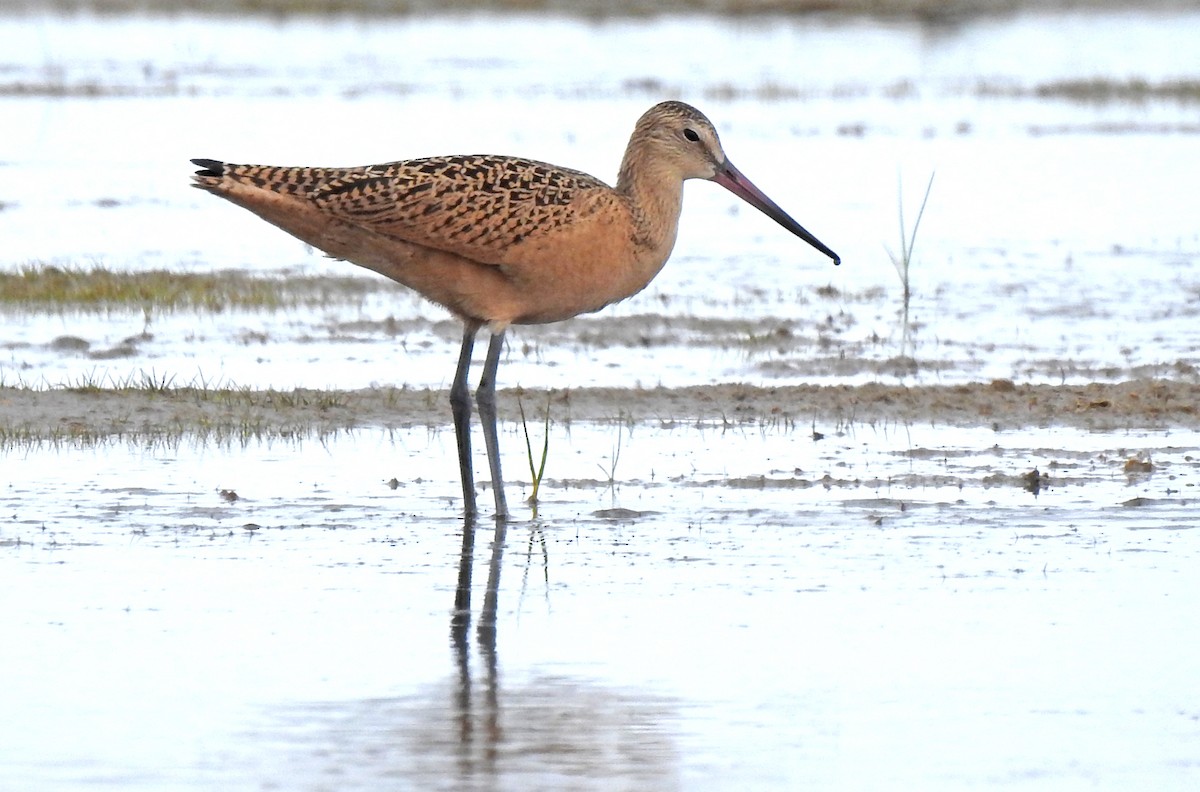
(49, 288)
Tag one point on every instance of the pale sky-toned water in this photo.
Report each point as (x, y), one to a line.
(915, 620)
(1050, 251)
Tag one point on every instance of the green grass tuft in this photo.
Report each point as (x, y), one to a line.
(49, 288)
(541, 468)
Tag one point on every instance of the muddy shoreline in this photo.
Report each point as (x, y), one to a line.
(33, 416)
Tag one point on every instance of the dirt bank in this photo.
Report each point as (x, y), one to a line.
(97, 415)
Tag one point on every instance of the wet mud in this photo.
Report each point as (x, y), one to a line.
(94, 415)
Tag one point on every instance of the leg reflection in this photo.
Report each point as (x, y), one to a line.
(487, 641)
(460, 623)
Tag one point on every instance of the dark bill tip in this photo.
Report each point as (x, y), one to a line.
(732, 179)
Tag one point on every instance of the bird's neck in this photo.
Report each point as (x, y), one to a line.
(655, 197)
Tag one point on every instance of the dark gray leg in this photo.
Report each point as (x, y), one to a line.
(486, 398)
(460, 406)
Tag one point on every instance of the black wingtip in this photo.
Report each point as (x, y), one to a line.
(210, 167)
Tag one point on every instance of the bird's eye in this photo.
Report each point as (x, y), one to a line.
(691, 135)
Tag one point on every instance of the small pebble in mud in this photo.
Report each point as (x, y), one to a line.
(70, 344)
(621, 514)
(229, 495)
(1035, 481)
(1135, 465)
(122, 350)
(393, 483)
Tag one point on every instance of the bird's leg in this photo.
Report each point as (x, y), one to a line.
(460, 406)
(486, 398)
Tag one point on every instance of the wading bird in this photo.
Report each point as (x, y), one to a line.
(500, 241)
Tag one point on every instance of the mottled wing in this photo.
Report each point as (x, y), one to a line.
(479, 207)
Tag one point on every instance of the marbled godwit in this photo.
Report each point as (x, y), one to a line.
(501, 240)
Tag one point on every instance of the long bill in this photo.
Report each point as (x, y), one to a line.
(732, 179)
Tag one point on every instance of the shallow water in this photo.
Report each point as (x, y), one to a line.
(737, 609)
(891, 606)
(1059, 243)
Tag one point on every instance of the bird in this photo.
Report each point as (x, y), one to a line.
(500, 240)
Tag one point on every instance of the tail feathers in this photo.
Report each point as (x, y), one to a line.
(210, 168)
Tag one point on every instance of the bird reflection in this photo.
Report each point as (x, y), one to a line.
(473, 734)
(460, 627)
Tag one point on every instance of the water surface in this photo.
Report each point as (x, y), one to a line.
(696, 605)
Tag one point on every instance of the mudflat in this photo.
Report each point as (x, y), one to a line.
(60, 414)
